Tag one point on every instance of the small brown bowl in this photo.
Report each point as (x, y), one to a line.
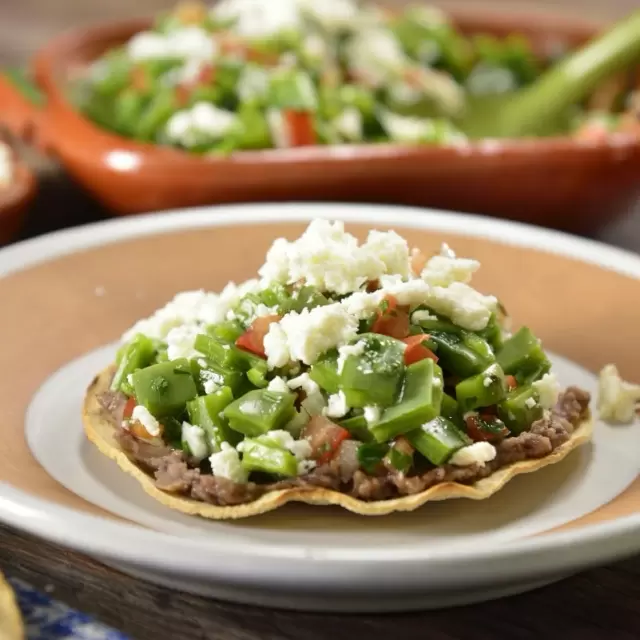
(14, 200)
(558, 182)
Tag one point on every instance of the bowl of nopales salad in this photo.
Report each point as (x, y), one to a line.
(251, 100)
(363, 375)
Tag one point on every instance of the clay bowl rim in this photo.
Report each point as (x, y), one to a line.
(58, 54)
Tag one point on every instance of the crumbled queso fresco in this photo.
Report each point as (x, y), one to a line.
(618, 400)
(329, 259)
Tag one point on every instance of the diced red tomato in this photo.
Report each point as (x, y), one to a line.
(478, 433)
(511, 381)
(324, 437)
(207, 75)
(392, 320)
(299, 126)
(128, 408)
(416, 350)
(253, 338)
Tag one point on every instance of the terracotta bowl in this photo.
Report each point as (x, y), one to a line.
(14, 200)
(556, 182)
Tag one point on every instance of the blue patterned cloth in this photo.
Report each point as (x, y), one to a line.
(47, 619)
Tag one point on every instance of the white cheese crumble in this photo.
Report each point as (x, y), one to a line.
(226, 464)
(257, 18)
(361, 304)
(530, 403)
(446, 251)
(280, 134)
(203, 123)
(487, 382)
(301, 449)
(486, 79)
(443, 270)
(347, 350)
(391, 249)
(194, 436)
(305, 336)
(180, 341)
(405, 93)
(331, 14)
(337, 406)
(276, 346)
(142, 415)
(327, 257)
(314, 403)
(406, 128)
(315, 47)
(253, 83)
(259, 311)
(186, 43)
(375, 55)
(410, 293)
(465, 306)
(278, 384)
(305, 383)
(306, 466)
(372, 414)
(422, 315)
(549, 389)
(187, 74)
(197, 308)
(617, 400)
(349, 124)
(210, 381)
(477, 453)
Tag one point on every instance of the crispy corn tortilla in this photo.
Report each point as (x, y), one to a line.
(10, 620)
(101, 431)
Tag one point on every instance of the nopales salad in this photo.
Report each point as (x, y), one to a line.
(264, 74)
(364, 368)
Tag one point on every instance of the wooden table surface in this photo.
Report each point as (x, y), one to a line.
(602, 603)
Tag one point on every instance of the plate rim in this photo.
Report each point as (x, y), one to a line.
(590, 544)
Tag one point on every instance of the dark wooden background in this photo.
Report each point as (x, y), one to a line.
(602, 603)
(599, 604)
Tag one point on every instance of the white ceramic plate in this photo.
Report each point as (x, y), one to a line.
(300, 556)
